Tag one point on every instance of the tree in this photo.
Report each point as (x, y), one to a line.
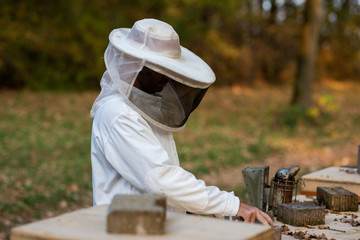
(302, 94)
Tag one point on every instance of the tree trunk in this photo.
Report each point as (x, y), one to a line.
(302, 94)
(254, 7)
(273, 12)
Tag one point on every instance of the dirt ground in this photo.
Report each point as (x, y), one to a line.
(309, 161)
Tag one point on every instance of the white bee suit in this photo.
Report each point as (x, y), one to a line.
(132, 147)
(131, 156)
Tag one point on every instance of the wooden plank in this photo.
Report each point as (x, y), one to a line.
(331, 177)
(337, 225)
(332, 229)
(90, 223)
(337, 199)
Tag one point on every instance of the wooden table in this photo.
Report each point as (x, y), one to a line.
(90, 224)
(338, 224)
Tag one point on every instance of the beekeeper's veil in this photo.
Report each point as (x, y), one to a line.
(154, 44)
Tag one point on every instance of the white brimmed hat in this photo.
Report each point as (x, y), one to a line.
(158, 44)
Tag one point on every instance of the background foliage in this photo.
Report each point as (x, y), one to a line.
(60, 44)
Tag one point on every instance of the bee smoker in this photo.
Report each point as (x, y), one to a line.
(267, 197)
(256, 180)
(282, 186)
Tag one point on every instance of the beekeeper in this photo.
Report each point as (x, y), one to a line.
(150, 87)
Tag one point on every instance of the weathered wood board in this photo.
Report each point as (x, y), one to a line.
(337, 199)
(337, 230)
(347, 178)
(90, 223)
(338, 225)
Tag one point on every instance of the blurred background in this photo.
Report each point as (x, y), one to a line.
(286, 91)
(59, 45)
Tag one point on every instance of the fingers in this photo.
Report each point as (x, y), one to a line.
(268, 219)
(264, 218)
(258, 215)
(251, 217)
(251, 214)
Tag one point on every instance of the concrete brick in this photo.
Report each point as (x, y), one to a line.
(301, 213)
(337, 198)
(136, 214)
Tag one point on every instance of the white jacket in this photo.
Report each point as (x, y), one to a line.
(130, 156)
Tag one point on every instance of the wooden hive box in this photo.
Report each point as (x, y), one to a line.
(347, 178)
(337, 199)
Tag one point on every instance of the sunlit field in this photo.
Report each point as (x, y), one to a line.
(45, 140)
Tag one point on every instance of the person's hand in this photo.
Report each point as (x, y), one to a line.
(250, 214)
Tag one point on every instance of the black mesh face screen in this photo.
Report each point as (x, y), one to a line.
(189, 97)
(164, 100)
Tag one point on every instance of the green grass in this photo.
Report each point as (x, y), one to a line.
(44, 155)
(45, 141)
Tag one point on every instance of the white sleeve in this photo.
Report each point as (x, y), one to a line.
(134, 151)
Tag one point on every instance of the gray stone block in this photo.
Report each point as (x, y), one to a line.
(137, 214)
(300, 214)
(337, 198)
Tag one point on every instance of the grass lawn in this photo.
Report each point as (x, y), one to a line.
(45, 140)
